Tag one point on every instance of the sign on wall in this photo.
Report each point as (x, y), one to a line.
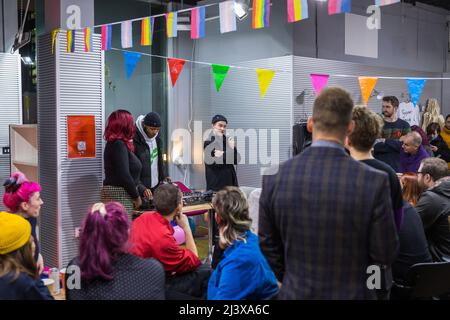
(81, 137)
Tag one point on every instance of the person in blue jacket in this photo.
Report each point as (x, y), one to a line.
(243, 273)
(19, 276)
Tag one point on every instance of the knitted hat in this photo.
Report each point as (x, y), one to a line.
(152, 119)
(218, 117)
(15, 232)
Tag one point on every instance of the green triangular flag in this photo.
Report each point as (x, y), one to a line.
(220, 72)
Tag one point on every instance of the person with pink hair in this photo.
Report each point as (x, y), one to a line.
(23, 198)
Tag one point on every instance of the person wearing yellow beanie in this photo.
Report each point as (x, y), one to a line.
(19, 279)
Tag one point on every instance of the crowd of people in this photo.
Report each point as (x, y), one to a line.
(370, 190)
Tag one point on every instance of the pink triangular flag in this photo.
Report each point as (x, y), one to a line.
(319, 81)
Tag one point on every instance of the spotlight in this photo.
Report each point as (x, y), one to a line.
(27, 61)
(241, 8)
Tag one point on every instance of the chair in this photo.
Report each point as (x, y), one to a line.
(425, 280)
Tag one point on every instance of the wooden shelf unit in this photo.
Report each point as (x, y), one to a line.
(24, 150)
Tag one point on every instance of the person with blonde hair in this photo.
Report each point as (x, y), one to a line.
(432, 114)
(243, 272)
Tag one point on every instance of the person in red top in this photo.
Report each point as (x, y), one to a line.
(152, 237)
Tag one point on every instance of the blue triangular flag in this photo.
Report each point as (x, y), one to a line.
(415, 87)
(131, 59)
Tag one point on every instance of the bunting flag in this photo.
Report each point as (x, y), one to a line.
(219, 72)
(106, 37)
(264, 79)
(297, 10)
(127, 34)
(87, 39)
(319, 81)
(175, 68)
(261, 14)
(70, 41)
(367, 85)
(415, 87)
(227, 17)
(385, 2)
(198, 23)
(131, 59)
(171, 24)
(147, 28)
(339, 6)
(54, 34)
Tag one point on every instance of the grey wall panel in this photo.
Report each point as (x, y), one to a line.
(73, 184)
(239, 100)
(81, 93)
(303, 67)
(10, 107)
(48, 149)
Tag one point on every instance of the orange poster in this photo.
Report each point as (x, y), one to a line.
(81, 136)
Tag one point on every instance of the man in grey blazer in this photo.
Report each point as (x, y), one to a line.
(325, 218)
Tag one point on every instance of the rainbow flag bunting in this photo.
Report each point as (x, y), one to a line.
(147, 28)
(171, 24)
(54, 34)
(261, 14)
(87, 39)
(297, 10)
(70, 41)
(106, 37)
(127, 34)
(339, 6)
(385, 2)
(227, 17)
(198, 23)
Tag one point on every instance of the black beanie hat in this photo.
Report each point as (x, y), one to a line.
(152, 119)
(218, 117)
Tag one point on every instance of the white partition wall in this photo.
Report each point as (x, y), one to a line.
(10, 107)
(68, 84)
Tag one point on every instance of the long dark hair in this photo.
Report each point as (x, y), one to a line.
(19, 261)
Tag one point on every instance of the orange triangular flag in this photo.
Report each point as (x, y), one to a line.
(367, 84)
(175, 67)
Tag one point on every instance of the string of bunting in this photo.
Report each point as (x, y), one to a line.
(367, 84)
(219, 71)
(297, 10)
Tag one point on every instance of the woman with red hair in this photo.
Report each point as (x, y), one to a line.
(23, 197)
(122, 167)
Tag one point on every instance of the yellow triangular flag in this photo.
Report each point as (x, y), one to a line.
(367, 84)
(54, 33)
(264, 79)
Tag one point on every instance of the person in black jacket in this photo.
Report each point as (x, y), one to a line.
(438, 145)
(19, 276)
(122, 167)
(220, 157)
(434, 206)
(148, 148)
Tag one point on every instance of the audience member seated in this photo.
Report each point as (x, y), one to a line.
(368, 128)
(108, 272)
(434, 206)
(243, 272)
(19, 276)
(438, 145)
(413, 243)
(412, 152)
(23, 198)
(152, 237)
(410, 188)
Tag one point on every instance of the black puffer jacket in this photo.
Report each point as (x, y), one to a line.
(434, 209)
(142, 151)
(443, 151)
